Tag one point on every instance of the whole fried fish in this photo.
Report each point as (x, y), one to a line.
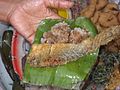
(42, 55)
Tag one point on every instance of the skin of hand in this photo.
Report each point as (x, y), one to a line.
(27, 14)
(6, 6)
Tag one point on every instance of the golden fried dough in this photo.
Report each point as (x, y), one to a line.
(112, 7)
(119, 17)
(42, 55)
(100, 4)
(108, 20)
(88, 11)
(95, 18)
(102, 13)
(114, 81)
(93, 2)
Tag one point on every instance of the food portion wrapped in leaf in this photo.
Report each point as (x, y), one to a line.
(61, 44)
(69, 75)
(62, 53)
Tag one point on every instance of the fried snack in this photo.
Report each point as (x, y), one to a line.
(93, 2)
(118, 17)
(58, 34)
(50, 38)
(113, 46)
(77, 35)
(43, 55)
(88, 11)
(107, 19)
(62, 33)
(104, 13)
(96, 16)
(101, 4)
(113, 8)
(114, 81)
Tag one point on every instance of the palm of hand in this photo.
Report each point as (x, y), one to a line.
(27, 15)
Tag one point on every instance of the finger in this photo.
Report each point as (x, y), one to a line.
(31, 38)
(27, 33)
(24, 29)
(63, 4)
(54, 16)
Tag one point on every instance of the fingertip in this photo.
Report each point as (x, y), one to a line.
(71, 4)
(63, 4)
(31, 39)
(55, 16)
(66, 4)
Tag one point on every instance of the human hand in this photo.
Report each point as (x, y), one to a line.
(25, 17)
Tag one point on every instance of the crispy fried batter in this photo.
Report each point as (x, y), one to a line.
(49, 38)
(107, 19)
(77, 35)
(112, 7)
(93, 2)
(43, 54)
(73, 37)
(104, 13)
(61, 33)
(101, 4)
(35, 55)
(118, 17)
(113, 46)
(88, 11)
(114, 80)
(96, 16)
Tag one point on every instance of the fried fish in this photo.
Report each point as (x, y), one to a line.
(42, 55)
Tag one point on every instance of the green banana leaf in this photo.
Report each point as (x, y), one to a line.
(66, 76)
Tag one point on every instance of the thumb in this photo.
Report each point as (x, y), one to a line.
(63, 4)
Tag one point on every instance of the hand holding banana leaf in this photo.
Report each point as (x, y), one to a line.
(26, 15)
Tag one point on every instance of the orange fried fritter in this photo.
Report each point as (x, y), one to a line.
(101, 4)
(112, 7)
(95, 17)
(108, 19)
(119, 17)
(88, 11)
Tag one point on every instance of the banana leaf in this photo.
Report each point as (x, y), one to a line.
(70, 75)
